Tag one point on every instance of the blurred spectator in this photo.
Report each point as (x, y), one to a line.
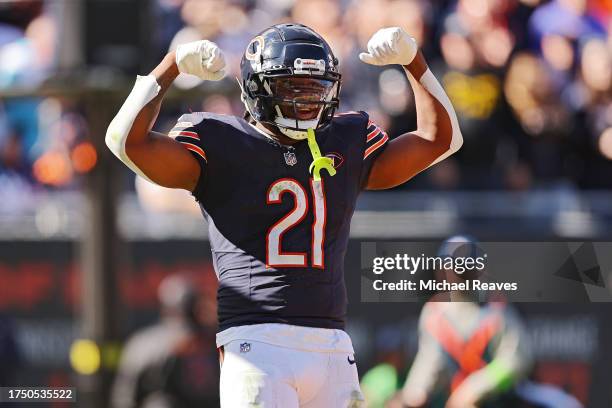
(539, 108)
(463, 341)
(568, 18)
(18, 14)
(27, 61)
(475, 45)
(591, 98)
(473, 349)
(168, 16)
(174, 363)
(324, 17)
(448, 333)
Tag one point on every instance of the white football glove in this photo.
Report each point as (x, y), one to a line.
(203, 59)
(390, 46)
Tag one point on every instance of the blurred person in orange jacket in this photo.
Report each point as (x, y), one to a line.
(478, 351)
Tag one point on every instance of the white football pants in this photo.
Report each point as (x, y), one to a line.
(256, 374)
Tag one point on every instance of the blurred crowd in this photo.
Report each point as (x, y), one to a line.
(43, 140)
(531, 82)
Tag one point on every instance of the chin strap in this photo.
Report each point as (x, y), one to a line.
(318, 162)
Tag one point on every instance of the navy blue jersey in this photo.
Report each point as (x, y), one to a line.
(278, 237)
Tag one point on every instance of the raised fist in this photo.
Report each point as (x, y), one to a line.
(390, 46)
(203, 59)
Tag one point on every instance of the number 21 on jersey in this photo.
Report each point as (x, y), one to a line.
(275, 257)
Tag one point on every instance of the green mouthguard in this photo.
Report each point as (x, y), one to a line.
(319, 162)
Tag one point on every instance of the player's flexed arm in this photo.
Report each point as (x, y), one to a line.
(156, 156)
(438, 134)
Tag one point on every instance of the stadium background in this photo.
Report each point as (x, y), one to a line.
(532, 85)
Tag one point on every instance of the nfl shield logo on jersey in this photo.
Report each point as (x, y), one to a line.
(245, 347)
(290, 158)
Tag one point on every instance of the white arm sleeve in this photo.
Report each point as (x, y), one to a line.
(431, 84)
(145, 89)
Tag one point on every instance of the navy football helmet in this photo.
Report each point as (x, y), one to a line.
(290, 79)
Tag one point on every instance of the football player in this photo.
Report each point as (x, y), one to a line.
(278, 190)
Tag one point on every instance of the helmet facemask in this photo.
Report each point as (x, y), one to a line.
(292, 103)
(300, 103)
